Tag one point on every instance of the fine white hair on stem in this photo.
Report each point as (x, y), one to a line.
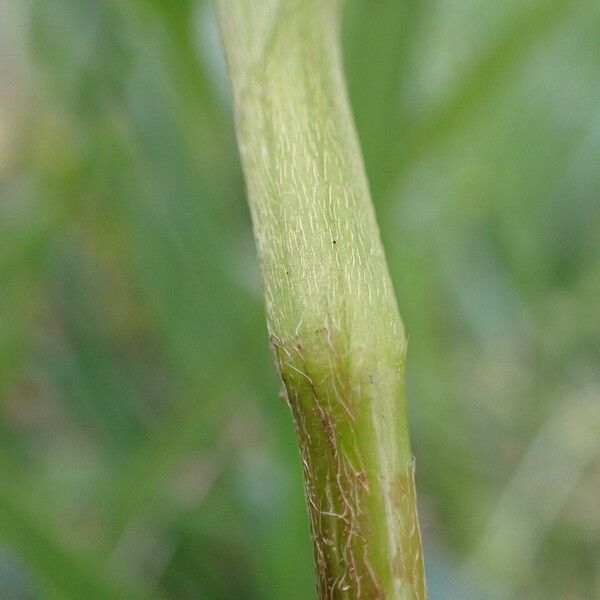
(336, 333)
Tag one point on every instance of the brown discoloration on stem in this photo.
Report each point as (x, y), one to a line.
(336, 490)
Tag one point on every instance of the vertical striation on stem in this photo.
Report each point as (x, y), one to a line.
(333, 321)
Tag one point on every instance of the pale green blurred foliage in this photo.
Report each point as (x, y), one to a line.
(143, 450)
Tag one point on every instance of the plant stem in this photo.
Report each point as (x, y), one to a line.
(334, 325)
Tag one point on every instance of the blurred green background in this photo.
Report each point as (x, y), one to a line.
(143, 450)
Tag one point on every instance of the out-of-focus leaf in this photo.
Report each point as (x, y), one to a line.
(377, 53)
(484, 76)
(67, 572)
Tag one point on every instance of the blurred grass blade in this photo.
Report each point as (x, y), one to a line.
(378, 33)
(70, 574)
(480, 81)
(549, 472)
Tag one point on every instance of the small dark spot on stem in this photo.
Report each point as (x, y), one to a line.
(334, 242)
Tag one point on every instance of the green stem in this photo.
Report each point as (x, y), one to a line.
(337, 336)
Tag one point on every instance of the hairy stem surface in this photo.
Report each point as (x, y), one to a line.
(332, 316)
